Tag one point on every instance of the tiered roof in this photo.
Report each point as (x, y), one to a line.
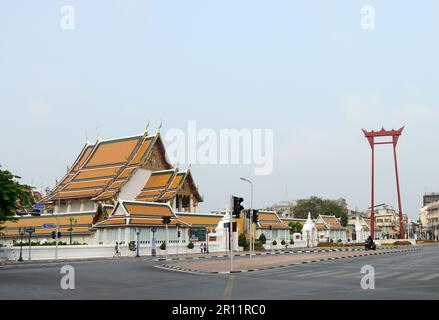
(81, 224)
(270, 218)
(102, 169)
(135, 213)
(329, 223)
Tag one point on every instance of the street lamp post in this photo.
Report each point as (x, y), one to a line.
(271, 237)
(252, 240)
(21, 231)
(153, 244)
(138, 243)
(178, 237)
(30, 231)
(72, 221)
(167, 242)
(207, 240)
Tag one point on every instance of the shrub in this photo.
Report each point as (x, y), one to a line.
(291, 242)
(263, 238)
(190, 246)
(242, 241)
(274, 243)
(259, 246)
(402, 243)
(283, 242)
(163, 246)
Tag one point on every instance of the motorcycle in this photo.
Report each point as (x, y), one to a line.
(370, 245)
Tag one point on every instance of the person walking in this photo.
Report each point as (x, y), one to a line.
(117, 249)
(202, 247)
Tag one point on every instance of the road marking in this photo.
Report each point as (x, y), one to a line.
(410, 276)
(429, 277)
(389, 275)
(348, 275)
(229, 288)
(313, 274)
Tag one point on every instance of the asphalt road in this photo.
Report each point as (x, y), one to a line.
(398, 276)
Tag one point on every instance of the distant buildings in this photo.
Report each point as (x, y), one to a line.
(429, 218)
(430, 198)
(284, 209)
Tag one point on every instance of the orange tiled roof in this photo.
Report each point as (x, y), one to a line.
(156, 185)
(107, 166)
(270, 218)
(140, 213)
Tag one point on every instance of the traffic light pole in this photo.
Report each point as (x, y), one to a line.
(231, 233)
(167, 242)
(57, 230)
(252, 240)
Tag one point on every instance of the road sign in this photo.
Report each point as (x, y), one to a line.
(48, 226)
(30, 230)
(39, 206)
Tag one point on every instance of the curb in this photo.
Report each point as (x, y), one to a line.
(274, 253)
(173, 268)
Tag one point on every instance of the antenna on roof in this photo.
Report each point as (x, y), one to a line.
(147, 127)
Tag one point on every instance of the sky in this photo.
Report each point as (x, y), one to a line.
(306, 69)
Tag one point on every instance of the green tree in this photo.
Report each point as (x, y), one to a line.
(295, 227)
(13, 196)
(318, 206)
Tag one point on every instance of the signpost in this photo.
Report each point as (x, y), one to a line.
(39, 206)
(21, 231)
(30, 231)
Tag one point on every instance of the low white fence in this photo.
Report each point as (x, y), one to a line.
(94, 251)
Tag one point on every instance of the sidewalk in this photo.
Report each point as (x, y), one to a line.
(270, 262)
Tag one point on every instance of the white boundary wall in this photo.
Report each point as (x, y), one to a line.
(94, 251)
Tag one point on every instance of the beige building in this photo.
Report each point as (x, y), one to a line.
(429, 216)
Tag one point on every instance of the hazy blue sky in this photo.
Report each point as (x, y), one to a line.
(304, 68)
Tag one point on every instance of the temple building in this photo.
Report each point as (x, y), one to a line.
(329, 229)
(114, 189)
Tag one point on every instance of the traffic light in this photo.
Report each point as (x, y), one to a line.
(166, 220)
(255, 216)
(237, 207)
(54, 235)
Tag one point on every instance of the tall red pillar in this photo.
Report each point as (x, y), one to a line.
(395, 134)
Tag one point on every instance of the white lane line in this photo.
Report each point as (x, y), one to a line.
(410, 276)
(430, 277)
(349, 275)
(312, 274)
(389, 275)
(328, 274)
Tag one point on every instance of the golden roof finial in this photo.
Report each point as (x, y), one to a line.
(160, 126)
(98, 135)
(146, 129)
